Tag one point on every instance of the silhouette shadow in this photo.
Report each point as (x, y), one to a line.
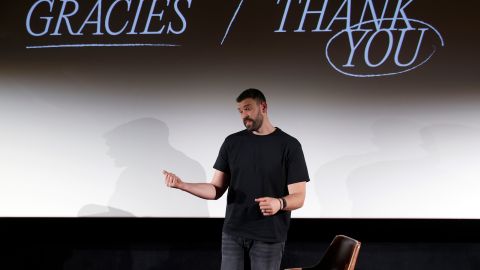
(395, 139)
(142, 148)
(437, 185)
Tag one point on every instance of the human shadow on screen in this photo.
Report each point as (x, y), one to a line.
(454, 151)
(439, 184)
(394, 139)
(142, 148)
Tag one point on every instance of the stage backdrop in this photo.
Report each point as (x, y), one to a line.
(98, 97)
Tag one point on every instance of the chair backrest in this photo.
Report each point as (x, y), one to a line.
(341, 254)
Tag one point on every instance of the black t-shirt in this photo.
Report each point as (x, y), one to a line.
(259, 166)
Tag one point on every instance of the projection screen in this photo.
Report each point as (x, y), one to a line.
(98, 97)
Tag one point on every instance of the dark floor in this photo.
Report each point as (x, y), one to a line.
(142, 244)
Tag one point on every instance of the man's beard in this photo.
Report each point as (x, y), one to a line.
(256, 123)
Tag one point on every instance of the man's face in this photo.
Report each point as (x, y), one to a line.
(251, 113)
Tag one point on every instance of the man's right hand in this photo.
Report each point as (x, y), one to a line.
(171, 180)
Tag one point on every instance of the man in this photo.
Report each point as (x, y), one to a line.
(265, 172)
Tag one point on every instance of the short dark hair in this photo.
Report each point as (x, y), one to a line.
(252, 93)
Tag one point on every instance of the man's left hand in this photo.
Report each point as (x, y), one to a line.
(268, 206)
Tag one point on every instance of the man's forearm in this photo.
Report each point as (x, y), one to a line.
(209, 191)
(202, 190)
(294, 201)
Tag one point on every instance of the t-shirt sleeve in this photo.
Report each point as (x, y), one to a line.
(296, 165)
(221, 163)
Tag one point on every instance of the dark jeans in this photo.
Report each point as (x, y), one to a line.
(263, 255)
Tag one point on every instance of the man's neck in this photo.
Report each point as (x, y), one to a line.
(265, 129)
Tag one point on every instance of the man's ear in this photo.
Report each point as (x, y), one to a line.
(263, 106)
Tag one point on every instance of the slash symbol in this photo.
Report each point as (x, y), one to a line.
(232, 21)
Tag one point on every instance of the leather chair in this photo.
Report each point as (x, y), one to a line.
(340, 255)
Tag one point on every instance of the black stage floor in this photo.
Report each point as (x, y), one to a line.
(154, 244)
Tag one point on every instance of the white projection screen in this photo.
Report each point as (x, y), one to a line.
(98, 97)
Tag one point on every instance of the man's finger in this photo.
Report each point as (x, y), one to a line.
(267, 213)
(263, 199)
(264, 204)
